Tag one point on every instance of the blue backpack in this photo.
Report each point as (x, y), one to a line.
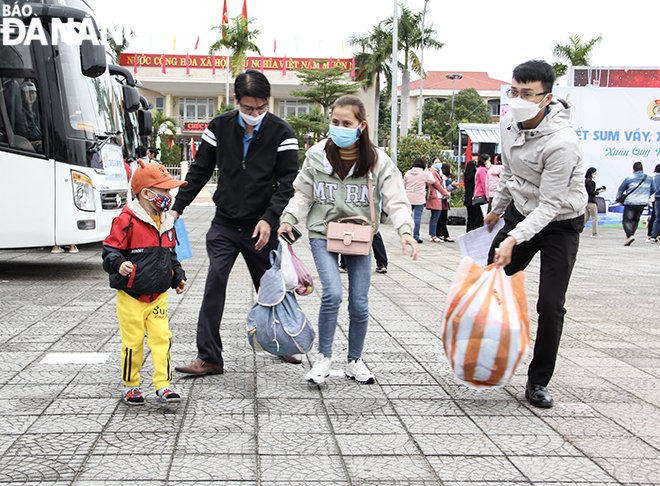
(276, 322)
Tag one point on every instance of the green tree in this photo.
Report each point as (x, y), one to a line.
(127, 35)
(325, 86)
(412, 146)
(163, 127)
(372, 63)
(575, 52)
(411, 37)
(310, 128)
(469, 107)
(239, 39)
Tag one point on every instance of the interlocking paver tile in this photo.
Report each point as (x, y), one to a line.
(484, 468)
(561, 468)
(457, 445)
(213, 467)
(297, 443)
(130, 468)
(297, 469)
(389, 469)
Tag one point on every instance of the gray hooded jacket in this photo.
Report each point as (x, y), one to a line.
(541, 172)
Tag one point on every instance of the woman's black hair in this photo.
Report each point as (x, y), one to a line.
(446, 169)
(483, 158)
(253, 84)
(657, 169)
(367, 151)
(590, 173)
(419, 162)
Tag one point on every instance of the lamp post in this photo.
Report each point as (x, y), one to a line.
(453, 78)
(421, 79)
(395, 111)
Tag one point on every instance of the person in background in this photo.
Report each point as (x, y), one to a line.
(592, 206)
(542, 198)
(483, 165)
(257, 154)
(655, 222)
(474, 214)
(442, 232)
(435, 201)
(415, 181)
(492, 180)
(637, 190)
(152, 155)
(334, 184)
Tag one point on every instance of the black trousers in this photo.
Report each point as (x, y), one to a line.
(378, 247)
(223, 245)
(441, 230)
(631, 216)
(558, 244)
(475, 218)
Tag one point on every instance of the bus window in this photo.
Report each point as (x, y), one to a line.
(20, 112)
(89, 101)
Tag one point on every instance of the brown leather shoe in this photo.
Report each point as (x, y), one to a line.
(199, 367)
(291, 359)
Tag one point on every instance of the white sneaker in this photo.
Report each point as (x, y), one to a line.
(629, 241)
(358, 371)
(320, 371)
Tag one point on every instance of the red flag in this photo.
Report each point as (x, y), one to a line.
(262, 64)
(225, 19)
(135, 63)
(244, 12)
(284, 66)
(187, 63)
(193, 149)
(163, 67)
(468, 151)
(170, 144)
(353, 68)
(213, 65)
(274, 45)
(197, 43)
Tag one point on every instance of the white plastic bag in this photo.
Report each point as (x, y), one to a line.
(288, 270)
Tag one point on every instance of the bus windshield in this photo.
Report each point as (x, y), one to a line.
(91, 102)
(20, 101)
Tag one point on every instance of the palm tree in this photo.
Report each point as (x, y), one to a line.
(411, 37)
(239, 39)
(117, 49)
(163, 125)
(373, 62)
(575, 51)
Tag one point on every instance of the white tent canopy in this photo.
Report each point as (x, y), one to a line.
(481, 132)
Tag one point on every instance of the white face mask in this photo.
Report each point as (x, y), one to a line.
(252, 120)
(523, 110)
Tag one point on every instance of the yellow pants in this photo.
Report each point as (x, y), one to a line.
(134, 318)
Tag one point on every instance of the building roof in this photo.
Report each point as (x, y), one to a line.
(479, 80)
(482, 132)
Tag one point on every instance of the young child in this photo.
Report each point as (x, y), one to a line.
(139, 254)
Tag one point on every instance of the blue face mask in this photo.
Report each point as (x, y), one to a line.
(343, 137)
(437, 167)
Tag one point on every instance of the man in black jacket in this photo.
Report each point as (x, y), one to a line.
(256, 154)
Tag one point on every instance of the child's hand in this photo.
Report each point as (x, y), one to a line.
(181, 287)
(126, 268)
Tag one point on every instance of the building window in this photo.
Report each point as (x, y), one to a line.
(202, 109)
(494, 107)
(160, 103)
(293, 108)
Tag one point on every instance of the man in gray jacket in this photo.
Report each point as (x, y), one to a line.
(542, 197)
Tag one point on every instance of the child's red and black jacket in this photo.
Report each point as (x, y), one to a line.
(134, 237)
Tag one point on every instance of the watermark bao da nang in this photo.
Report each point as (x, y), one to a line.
(23, 23)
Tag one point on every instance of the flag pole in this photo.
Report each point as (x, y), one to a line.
(227, 81)
(394, 108)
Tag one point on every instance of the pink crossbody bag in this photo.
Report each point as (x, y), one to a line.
(353, 235)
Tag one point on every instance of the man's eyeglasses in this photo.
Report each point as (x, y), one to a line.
(251, 109)
(524, 94)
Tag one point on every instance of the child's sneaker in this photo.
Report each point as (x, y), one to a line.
(358, 371)
(133, 396)
(167, 395)
(320, 371)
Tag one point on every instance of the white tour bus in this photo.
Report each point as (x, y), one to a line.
(64, 119)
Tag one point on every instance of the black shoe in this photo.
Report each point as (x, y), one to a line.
(381, 269)
(538, 396)
(420, 241)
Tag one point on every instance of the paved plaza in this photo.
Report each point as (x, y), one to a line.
(260, 423)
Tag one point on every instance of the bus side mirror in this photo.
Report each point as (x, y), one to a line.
(131, 98)
(145, 123)
(92, 59)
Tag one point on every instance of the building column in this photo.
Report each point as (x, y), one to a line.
(271, 105)
(168, 105)
(221, 99)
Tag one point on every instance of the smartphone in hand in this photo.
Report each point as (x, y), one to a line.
(296, 236)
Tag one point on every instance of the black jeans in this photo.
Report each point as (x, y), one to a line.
(223, 245)
(475, 218)
(378, 248)
(558, 243)
(441, 230)
(631, 215)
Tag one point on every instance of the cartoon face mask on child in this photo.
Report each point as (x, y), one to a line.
(160, 201)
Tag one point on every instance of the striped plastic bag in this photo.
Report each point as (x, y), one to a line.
(485, 324)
